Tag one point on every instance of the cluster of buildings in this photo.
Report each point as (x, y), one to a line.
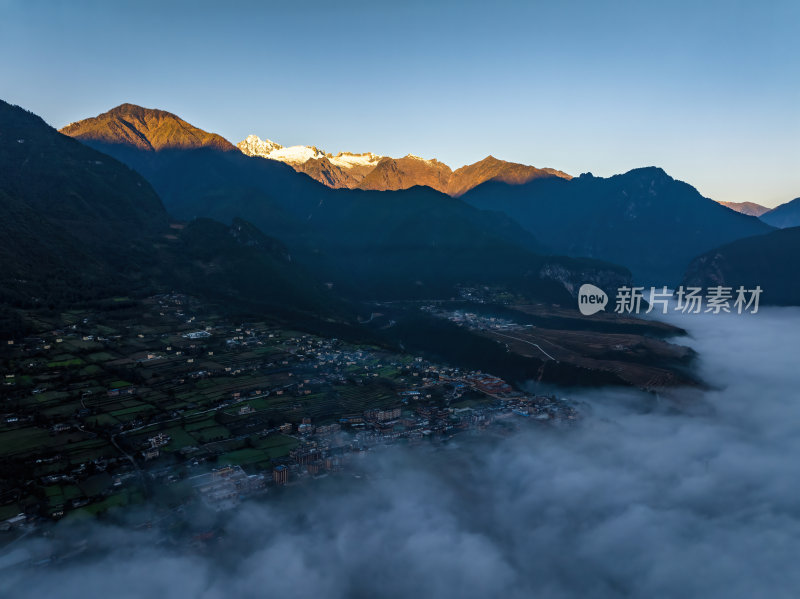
(474, 320)
(327, 449)
(224, 488)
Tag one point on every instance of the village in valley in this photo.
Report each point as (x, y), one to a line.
(111, 408)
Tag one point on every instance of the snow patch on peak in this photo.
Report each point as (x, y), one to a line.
(296, 154)
(252, 145)
(350, 160)
(421, 159)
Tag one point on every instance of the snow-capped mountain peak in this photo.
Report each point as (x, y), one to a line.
(421, 159)
(349, 160)
(253, 145)
(377, 172)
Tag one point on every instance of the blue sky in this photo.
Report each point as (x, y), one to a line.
(709, 91)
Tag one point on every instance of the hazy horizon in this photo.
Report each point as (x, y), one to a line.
(707, 93)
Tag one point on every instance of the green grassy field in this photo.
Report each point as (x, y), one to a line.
(26, 440)
(211, 433)
(260, 456)
(69, 363)
(72, 379)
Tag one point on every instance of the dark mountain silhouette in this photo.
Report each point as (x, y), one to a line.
(644, 219)
(241, 266)
(785, 215)
(77, 225)
(748, 208)
(413, 243)
(72, 218)
(771, 261)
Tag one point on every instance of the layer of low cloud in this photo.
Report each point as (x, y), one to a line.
(689, 496)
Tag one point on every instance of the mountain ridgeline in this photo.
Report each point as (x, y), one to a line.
(416, 243)
(784, 216)
(144, 129)
(748, 208)
(491, 223)
(383, 173)
(644, 219)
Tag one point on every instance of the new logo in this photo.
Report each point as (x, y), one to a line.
(591, 299)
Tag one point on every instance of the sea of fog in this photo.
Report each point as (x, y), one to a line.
(696, 496)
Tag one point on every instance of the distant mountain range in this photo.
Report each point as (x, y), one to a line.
(785, 215)
(748, 208)
(79, 223)
(502, 224)
(382, 173)
(367, 244)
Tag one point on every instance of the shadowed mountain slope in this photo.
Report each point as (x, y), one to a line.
(644, 219)
(785, 215)
(72, 218)
(77, 224)
(771, 261)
